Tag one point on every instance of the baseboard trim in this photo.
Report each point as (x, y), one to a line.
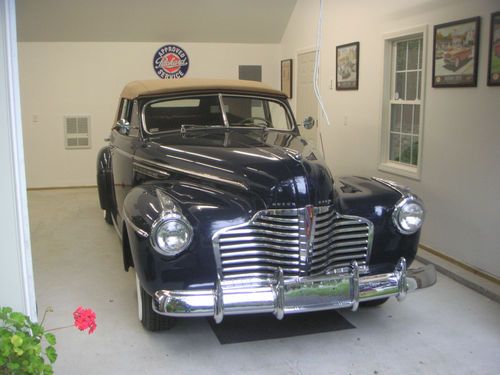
(63, 187)
(476, 271)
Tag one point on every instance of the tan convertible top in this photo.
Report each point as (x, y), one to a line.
(166, 86)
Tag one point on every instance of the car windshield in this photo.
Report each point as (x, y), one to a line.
(207, 110)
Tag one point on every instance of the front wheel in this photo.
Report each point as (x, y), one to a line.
(147, 316)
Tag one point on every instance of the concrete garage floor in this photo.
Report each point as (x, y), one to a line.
(447, 329)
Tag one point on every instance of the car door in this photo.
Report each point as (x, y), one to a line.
(124, 142)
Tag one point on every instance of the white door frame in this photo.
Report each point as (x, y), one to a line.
(16, 266)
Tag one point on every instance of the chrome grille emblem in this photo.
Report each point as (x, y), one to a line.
(309, 226)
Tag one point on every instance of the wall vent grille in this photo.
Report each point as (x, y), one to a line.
(77, 132)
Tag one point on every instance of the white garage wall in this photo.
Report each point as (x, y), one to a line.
(58, 79)
(460, 181)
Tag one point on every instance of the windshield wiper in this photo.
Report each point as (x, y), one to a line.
(188, 127)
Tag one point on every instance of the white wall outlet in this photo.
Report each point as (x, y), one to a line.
(345, 120)
(36, 119)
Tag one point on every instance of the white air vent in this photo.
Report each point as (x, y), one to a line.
(77, 131)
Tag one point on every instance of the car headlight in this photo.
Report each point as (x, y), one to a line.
(171, 234)
(408, 215)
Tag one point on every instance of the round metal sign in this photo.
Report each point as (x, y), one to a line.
(171, 62)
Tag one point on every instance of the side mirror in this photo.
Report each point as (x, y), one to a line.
(308, 123)
(122, 126)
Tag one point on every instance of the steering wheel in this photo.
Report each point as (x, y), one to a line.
(253, 119)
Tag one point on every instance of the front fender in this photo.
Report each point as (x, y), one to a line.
(206, 208)
(368, 198)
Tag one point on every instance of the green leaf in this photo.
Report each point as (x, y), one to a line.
(51, 354)
(6, 310)
(18, 351)
(16, 340)
(37, 329)
(51, 339)
(47, 370)
(13, 365)
(18, 318)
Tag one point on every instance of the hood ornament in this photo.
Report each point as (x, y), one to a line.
(293, 154)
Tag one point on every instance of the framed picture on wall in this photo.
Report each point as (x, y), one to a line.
(494, 55)
(286, 77)
(347, 63)
(455, 58)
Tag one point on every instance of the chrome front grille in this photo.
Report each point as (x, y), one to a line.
(286, 239)
(338, 240)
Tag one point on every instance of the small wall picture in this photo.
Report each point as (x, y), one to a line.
(455, 60)
(286, 77)
(494, 55)
(347, 66)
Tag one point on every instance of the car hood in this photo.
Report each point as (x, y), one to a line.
(280, 168)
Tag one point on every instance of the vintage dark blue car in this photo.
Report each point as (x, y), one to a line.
(223, 209)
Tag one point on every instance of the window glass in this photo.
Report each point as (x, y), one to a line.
(134, 120)
(170, 114)
(405, 103)
(246, 111)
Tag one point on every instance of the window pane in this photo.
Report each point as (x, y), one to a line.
(71, 126)
(406, 149)
(258, 108)
(413, 47)
(420, 53)
(419, 85)
(401, 56)
(279, 117)
(414, 151)
(394, 147)
(83, 141)
(416, 119)
(411, 86)
(396, 117)
(400, 86)
(407, 118)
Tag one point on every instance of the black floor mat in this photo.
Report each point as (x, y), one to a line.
(236, 329)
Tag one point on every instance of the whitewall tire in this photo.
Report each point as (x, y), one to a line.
(147, 316)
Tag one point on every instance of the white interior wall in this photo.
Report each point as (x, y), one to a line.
(461, 150)
(58, 79)
(460, 173)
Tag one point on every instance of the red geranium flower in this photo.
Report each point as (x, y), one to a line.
(85, 318)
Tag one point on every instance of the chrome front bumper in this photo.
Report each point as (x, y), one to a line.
(287, 296)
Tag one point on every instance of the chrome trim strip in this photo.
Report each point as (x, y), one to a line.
(192, 173)
(403, 190)
(223, 111)
(136, 229)
(148, 171)
(281, 296)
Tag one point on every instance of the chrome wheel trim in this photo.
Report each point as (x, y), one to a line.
(139, 297)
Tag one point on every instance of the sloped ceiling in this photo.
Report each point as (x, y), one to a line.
(219, 21)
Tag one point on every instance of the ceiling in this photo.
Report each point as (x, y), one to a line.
(216, 21)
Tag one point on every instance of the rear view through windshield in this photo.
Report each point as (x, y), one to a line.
(169, 114)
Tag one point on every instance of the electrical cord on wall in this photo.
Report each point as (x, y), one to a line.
(316, 73)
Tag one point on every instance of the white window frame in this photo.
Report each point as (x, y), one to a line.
(385, 164)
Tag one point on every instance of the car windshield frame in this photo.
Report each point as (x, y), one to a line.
(292, 126)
